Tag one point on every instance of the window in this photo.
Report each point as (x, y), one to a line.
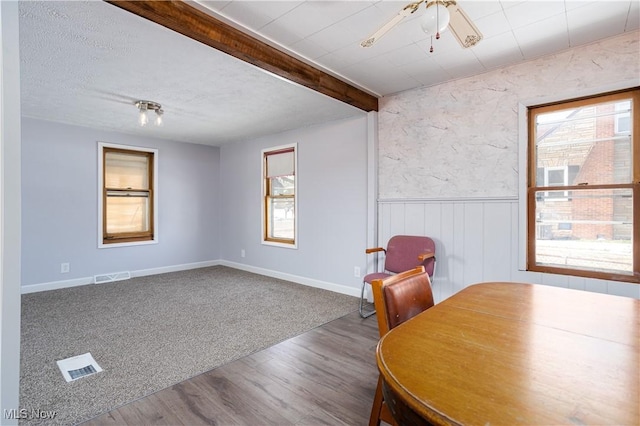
(127, 200)
(583, 187)
(555, 176)
(279, 204)
(623, 117)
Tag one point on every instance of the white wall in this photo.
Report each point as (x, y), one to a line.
(209, 206)
(9, 210)
(60, 199)
(332, 206)
(449, 161)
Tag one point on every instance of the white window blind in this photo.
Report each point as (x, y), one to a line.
(280, 164)
(126, 171)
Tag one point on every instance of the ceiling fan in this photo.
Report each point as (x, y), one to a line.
(440, 15)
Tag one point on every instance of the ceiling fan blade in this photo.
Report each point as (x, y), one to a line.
(462, 27)
(406, 11)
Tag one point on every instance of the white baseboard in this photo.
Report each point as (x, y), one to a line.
(174, 268)
(55, 285)
(337, 288)
(343, 289)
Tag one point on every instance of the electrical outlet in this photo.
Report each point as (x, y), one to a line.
(356, 271)
(64, 268)
(242, 253)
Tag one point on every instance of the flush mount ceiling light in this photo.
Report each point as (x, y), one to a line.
(440, 15)
(145, 107)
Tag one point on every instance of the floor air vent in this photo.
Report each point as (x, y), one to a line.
(78, 366)
(108, 278)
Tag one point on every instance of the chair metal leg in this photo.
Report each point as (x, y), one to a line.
(363, 313)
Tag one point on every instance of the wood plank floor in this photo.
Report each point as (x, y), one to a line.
(325, 376)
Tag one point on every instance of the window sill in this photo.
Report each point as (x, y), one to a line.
(283, 245)
(127, 244)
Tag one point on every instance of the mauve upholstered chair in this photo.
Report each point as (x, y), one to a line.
(403, 252)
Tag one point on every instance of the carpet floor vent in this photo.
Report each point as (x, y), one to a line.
(108, 278)
(78, 366)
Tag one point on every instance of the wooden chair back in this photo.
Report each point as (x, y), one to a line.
(401, 297)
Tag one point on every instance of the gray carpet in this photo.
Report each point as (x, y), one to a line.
(151, 332)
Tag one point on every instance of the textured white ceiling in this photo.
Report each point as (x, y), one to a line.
(86, 63)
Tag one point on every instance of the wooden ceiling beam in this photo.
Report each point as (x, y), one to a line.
(179, 16)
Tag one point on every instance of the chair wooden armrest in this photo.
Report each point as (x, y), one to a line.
(373, 250)
(427, 255)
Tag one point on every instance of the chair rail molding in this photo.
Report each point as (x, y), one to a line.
(447, 200)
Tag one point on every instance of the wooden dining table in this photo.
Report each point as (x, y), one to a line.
(510, 353)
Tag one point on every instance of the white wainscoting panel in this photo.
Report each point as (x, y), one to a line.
(476, 241)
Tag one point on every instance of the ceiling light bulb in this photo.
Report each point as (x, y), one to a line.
(159, 117)
(436, 19)
(143, 119)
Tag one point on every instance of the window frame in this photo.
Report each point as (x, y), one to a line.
(531, 189)
(127, 239)
(266, 187)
